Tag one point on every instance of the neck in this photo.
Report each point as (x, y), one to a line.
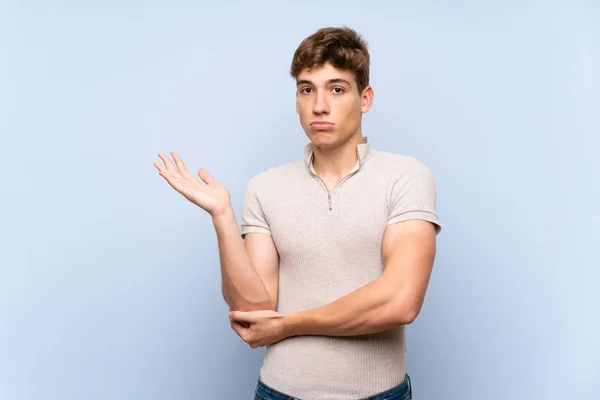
(338, 161)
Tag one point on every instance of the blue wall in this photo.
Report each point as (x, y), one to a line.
(109, 280)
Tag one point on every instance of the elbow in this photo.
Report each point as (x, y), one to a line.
(252, 305)
(404, 314)
(249, 303)
(408, 317)
(264, 305)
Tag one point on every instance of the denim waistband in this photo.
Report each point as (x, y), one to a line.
(401, 392)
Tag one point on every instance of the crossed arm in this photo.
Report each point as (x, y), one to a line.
(250, 271)
(395, 298)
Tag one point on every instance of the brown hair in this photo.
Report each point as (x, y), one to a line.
(341, 47)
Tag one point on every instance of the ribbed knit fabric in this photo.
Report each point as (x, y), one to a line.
(329, 247)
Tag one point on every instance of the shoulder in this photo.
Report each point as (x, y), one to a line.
(399, 164)
(274, 178)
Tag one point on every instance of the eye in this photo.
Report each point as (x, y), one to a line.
(306, 90)
(338, 90)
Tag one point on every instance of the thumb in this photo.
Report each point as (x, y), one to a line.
(205, 176)
(240, 316)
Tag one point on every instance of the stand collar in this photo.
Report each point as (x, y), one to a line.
(364, 150)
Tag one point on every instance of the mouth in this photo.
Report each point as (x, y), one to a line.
(321, 125)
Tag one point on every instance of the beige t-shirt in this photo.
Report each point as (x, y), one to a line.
(329, 245)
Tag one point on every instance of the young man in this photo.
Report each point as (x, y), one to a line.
(338, 246)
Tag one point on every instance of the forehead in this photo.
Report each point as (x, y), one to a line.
(323, 73)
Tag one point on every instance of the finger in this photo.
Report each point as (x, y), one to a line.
(174, 181)
(236, 327)
(240, 330)
(168, 163)
(244, 325)
(240, 325)
(239, 316)
(171, 180)
(179, 163)
(205, 176)
(159, 166)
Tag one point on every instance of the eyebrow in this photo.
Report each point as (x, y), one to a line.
(330, 81)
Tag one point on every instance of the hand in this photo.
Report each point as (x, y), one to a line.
(258, 328)
(209, 194)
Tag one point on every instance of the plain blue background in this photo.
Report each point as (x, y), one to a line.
(109, 280)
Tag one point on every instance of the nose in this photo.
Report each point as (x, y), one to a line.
(321, 105)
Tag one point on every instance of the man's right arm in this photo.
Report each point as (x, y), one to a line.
(249, 271)
(249, 266)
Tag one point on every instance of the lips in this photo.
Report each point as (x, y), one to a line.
(321, 125)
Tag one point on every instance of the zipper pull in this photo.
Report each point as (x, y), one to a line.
(329, 196)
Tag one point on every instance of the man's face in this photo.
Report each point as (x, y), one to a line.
(329, 104)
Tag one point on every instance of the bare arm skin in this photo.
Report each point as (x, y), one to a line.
(250, 267)
(394, 299)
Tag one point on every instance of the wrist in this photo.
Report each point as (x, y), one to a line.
(224, 214)
(292, 324)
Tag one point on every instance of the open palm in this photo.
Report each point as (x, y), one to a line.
(208, 194)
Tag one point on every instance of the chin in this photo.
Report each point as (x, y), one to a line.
(322, 138)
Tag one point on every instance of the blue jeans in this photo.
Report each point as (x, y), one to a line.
(401, 392)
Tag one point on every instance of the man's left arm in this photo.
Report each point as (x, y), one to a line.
(395, 298)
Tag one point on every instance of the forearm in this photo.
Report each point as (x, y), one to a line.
(242, 286)
(374, 307)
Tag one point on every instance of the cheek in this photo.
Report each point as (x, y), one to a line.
(303, 111)
(351, 111)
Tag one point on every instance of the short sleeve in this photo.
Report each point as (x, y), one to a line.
(412, 195)
(253, 216)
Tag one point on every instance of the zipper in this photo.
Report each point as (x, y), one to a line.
(329, 194)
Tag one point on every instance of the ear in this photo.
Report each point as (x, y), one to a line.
(367, 99)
